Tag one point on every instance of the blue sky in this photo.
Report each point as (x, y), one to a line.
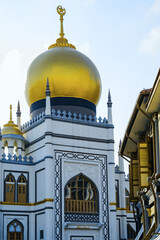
(122, 38)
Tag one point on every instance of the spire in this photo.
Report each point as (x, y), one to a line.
(61, 11)
(10, 117)
(61, 42)
(48, 102)
(47, 92)
(18, 109)
(18, 113)
(109, 104)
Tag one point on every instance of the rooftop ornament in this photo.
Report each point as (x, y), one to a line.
(61, 42)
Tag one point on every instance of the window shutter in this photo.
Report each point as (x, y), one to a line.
(144, 165)
(134, 179)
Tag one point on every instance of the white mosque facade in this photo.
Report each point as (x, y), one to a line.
(57, 171)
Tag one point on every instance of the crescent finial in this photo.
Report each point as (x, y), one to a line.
(61, 11)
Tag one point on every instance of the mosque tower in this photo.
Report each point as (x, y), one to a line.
(57, 170)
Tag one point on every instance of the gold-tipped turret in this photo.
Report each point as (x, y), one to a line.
(11, 127)
(10, 119)
(61, 42)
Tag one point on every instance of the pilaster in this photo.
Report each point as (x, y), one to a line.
(49, 168)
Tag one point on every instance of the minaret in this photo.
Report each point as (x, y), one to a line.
(109, 104)
(48, 102)
(18, 113)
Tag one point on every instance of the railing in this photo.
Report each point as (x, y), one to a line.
(33, 121)
(67, 116)
(87, 119)
(18, 159)
(80, 206)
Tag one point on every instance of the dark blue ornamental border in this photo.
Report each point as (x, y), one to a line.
(64, 101)
(81, 217)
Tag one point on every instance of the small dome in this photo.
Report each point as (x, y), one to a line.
(70, 74)
(11, 127)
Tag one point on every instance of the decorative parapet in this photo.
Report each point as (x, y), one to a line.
(33, 121)
(17, 159)
(74, 117)
(69, 117)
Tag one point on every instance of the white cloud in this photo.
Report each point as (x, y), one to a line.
(155, 8)
(150, 45)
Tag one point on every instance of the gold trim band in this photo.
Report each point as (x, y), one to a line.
(121, 208)
(113, 203)
(28, 204)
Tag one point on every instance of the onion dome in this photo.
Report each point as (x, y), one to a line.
(11, 127)
(73, 77)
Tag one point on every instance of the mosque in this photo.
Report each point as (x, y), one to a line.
(57, 171)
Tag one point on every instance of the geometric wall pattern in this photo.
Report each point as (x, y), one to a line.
(59, 155)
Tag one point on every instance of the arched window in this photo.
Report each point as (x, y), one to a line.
(22, 189)
(15, 230)
(15, 148)
(6, 149)
(81, 196)
(10, 188)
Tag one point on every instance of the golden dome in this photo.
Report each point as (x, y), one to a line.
(70, 74)
(11, 127)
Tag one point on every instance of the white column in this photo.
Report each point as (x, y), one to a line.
(111, 188)
(32, 226)
(123, 220)
(10, 146)
(49, 181)
(112, 197)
